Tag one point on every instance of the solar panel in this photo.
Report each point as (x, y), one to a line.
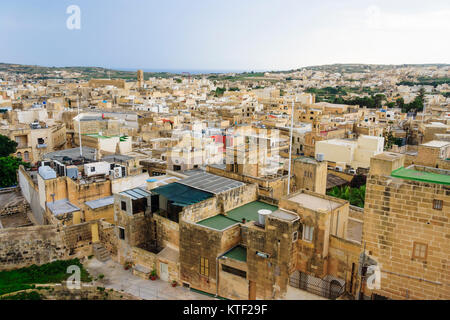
(210, 183)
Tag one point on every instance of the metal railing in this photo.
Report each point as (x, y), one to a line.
(330, 289)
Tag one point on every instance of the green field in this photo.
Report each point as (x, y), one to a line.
(26, 278)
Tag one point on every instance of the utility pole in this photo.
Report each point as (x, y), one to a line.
(290, 148)
(79, 125)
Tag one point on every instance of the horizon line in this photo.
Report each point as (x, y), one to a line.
(222, 70)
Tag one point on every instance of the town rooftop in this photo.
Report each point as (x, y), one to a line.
(411, 173)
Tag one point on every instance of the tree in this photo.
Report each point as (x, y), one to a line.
(8, 169)
(378, 100)
(356, 196)
(388, 140)
(7, 146)
(219, 92)
(400, 102)
(390, 104)
(416, 105)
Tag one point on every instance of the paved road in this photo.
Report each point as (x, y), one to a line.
(119, 279)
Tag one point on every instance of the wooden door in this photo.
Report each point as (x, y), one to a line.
(252, 290)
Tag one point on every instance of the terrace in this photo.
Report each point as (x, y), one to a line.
(423, 174)
(248, 211)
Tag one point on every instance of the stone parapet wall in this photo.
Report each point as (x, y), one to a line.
(85, 292)
(25, 246)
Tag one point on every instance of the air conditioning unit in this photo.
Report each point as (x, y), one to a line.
(339, 169)
(320, 157)
(46, 163)
(117, 172)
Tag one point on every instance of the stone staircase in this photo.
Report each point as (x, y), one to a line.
(100, 252)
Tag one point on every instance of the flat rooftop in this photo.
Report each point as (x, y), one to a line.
(116, 158)
(284, 215)
(315, 203)
(98, 136)
(249, 211)
(339, 142)
(436, 144)
(74, 153)
(306, 160)
(411, 173)
(61, 207)
(100, 203)
(238, 253)
(218, 222)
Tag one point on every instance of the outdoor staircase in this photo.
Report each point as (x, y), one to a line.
(100, 252)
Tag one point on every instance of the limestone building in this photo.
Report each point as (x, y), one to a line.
(406, 227)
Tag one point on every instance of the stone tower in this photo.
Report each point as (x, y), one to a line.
(140, 78)
(310, 174)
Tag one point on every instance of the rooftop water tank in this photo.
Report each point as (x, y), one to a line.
(47, 173)
(262, 214)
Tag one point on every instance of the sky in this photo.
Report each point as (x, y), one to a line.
(224, 35)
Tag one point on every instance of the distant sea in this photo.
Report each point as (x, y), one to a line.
(191, 71)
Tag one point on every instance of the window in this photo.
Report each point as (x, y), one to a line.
(92, 169)
(308, 232)
(420, 250)
(234, 271)
(295, 236)
(26, 156)
(437, 204)
(121, 233)
(123, 205)
(40, 141)
(204, 267)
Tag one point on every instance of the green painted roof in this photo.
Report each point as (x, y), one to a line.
(249, 211)
(237, 253)
(96, 135)
(411, 174)
(218, 222)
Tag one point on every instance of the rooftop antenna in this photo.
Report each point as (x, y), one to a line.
(79, 125)
(290, 148)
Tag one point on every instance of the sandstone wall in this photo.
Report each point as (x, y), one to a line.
(22, 247)
(399, 214)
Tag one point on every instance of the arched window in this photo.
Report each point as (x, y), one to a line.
(26, 156)
(19, 155)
